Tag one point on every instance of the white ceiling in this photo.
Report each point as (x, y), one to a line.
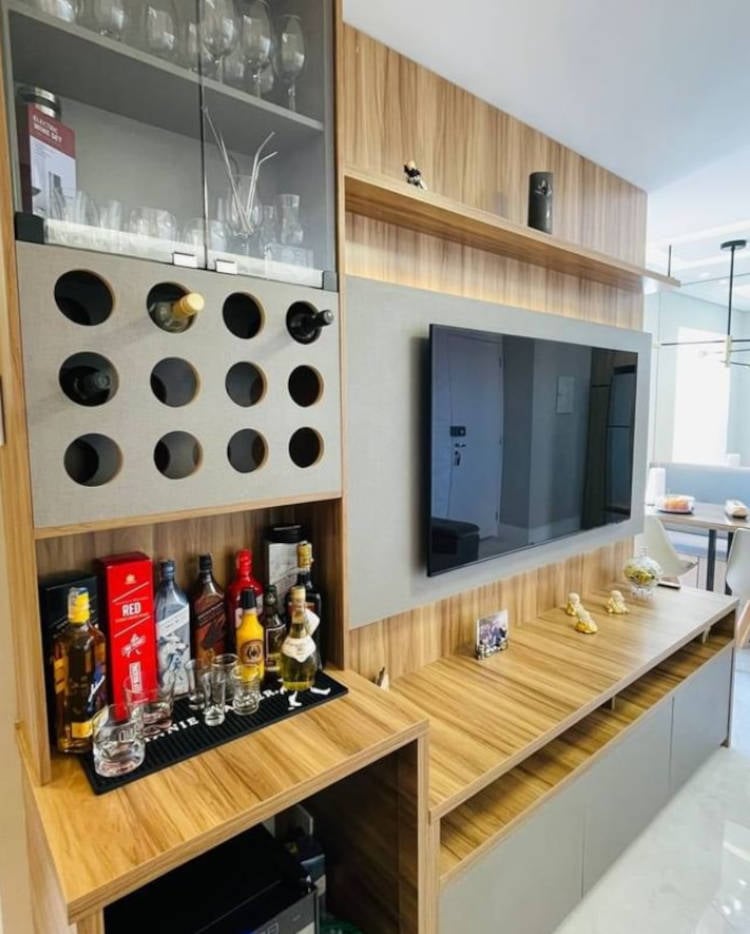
(651, 89)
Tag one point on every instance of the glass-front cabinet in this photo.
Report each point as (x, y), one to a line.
(194, 132)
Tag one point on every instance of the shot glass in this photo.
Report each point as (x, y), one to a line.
(226, 662)
(152, 704)
(119, 746)
(246, 689)
(196, 698)
(214, 681)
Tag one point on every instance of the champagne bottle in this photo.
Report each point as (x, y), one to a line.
(176, 315)
(79, 664)
(250, 634)
(299, 656)
(172, 617)
(274, 631)
(304, 323)
(208, 617)
(86, 385)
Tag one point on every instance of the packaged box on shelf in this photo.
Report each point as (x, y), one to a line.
(53, 607)
(281, 558)
(127, 613)
(48, 163)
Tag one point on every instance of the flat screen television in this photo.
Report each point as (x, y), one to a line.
(531, 440)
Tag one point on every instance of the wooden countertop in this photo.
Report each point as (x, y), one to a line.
(486, 717)
(106, 846)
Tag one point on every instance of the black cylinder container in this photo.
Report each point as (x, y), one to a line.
(540, 201)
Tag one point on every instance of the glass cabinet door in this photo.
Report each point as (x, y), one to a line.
(189, 131)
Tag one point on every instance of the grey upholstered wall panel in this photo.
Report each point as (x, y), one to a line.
(386, 337)
(135, 419)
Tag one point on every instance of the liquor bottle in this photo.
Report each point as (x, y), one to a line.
(313, 599)
(79, 653)
(172, 616)
(299, 655)
(274, 631)
(250, 634)
(87, 385)
(208, 617)
(304, 323)
(242, 580)
(175, 315)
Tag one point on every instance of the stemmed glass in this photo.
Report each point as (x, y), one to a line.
(256, 39)
(160, 29)
(290, 55)
(107, 17)
(219, 31)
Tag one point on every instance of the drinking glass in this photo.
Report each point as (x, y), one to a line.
(235, 68)
(107, 17)
(290, 55)
(290, 228)
(219, 31)
(268, 228)
(119, 745)
(160, 29)
(153, 704)
(226, 663)
(196, 698)
(62, 9)
(255, 39)
(245, 689)
(153, 222)
(110, 214)
(82, 209)
(194, 53)
(214, 680)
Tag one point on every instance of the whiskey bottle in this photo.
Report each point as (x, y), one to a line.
(250, 648)
(274, 631)
(208, 617)
(242, 580)
(175, 315)
(299, 656)
(313, 599)
(172, 617)
(304, 323)
(80, 675)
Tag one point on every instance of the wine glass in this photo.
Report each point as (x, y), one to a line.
(107, 17)
(194, 53)
(290, 55)
(219, 31)
(255, 39)
(160, 29)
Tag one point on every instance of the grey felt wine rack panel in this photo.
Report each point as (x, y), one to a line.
(209, 417)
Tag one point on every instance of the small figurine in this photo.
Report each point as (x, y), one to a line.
(585, 622)
(616, 603)
(573, 605)
(413, 175)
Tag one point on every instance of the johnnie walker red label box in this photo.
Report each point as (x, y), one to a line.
(126, 612)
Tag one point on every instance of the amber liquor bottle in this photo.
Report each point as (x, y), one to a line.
(313, 599)
(208, 616)
(80, 675)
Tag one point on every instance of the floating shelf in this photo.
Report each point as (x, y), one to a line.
(70, 61)
(395, 202)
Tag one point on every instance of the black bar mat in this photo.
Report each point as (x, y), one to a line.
(188, 736)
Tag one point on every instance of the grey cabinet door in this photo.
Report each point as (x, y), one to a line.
(529, 882)
(624, 790)
(701, 717)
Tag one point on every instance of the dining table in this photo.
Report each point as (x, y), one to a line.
(709, 517)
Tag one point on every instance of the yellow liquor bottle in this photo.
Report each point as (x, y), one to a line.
(299, 654)
(250, 634)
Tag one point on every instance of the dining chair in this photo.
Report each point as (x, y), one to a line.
(738, 579)
(661, 549)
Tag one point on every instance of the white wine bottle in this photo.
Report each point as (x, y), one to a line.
(176, 315)
(299, 654)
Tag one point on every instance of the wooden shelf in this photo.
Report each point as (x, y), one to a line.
(143, 87)
(395, 202)
(478, 824)
(487, 717)
(151, 826)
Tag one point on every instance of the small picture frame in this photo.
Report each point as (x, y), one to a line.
(491, 634)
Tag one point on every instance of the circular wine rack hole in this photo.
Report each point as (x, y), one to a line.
(246, 450)
(83, 297)
(245, 384)
(177, 455)
(168, 292)
(243, 315)
(174, 382)
(88, 379)
(305, 447)
(305, 385)
(92, 460)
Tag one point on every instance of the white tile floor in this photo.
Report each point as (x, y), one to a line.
(689, 872)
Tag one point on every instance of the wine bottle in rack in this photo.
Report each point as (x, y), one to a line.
(87, 384)
(176, 314)
(304, 323)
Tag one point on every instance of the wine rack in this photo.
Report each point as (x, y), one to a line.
(231, 411)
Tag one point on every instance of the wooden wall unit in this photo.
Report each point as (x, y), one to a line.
(391, 110)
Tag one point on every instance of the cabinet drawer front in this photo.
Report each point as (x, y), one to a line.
(701, 717)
